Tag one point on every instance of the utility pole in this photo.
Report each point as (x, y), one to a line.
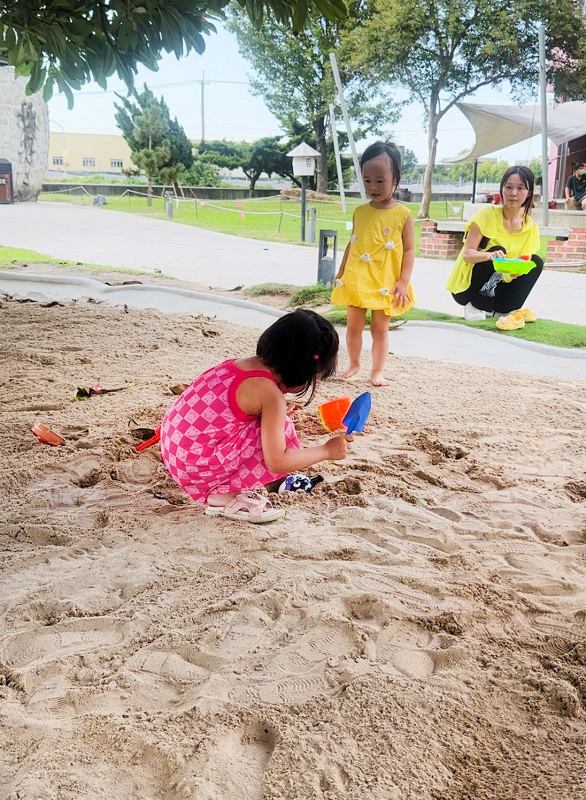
(544, 142)
(203, 119)
(203, 123)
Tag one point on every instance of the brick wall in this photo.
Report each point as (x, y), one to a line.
(573, 249)
(439, 244)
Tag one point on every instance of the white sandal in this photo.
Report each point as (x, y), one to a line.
(251, 507)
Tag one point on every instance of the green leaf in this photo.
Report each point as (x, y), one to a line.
(48, 91)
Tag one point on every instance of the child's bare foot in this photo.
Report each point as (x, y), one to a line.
(352, 370)
(378, 379)
(219, 500)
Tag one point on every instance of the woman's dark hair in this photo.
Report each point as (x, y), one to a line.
(528, 179)
(388, 149)
(301, 348)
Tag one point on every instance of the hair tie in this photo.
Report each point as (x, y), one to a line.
(316, 357)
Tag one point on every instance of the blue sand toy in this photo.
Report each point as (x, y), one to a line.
(357, 414)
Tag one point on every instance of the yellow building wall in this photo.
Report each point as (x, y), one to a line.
(87, 152)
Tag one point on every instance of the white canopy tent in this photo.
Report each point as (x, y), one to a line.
(496, 127)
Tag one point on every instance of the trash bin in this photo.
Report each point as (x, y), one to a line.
(326, 264)
(6, 187)
(311, 224)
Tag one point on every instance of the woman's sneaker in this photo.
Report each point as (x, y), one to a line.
(472, 314)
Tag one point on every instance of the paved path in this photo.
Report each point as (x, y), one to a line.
(435, 341)
(100, 236)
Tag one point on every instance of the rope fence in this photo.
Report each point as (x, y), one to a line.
(247, 220)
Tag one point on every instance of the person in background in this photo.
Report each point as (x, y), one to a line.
(576, 189)
(375, 273)
(504, 231)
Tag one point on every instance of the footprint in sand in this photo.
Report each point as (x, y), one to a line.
(167, 664)
(299, 672)
(231, 768)
(136, 471)
(402, 649)
(31, 649)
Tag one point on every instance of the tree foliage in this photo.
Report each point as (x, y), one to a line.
(444, 50)
(159, 144)
(253, 158)
(292, 73)
(202, 173)
(68, 43)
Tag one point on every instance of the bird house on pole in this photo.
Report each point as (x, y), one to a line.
(303, 166)
(303, 160)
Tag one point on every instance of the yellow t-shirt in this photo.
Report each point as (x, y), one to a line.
(525, 242)
(374, 261)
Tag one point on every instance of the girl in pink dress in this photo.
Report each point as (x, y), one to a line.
(229, 433)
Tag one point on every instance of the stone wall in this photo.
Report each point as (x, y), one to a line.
(24, 134)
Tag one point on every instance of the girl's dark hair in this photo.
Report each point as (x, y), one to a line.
(388, 149)
(528, 179)
(301, 348)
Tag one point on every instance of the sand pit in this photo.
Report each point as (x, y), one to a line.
(414, 629)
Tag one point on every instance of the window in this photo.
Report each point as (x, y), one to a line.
(57, 161)
(116, 163)
(88, 161)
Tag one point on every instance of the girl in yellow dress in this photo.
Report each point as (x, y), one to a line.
(377, 265)
(505, 231)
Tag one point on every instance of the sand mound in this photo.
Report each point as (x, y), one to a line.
(413, 629)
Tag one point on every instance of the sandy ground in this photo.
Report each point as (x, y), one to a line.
(413, 629)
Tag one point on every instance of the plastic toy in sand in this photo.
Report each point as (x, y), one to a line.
(358, 414)
(45, 435)
(341, 414)
(332, 413)
(149, 442)
(514, 266)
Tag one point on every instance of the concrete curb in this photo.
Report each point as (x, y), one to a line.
(538, 347)
(96, 287)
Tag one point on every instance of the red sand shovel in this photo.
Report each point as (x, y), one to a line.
(149, 442)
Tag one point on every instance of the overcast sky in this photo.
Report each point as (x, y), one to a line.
(232, 112)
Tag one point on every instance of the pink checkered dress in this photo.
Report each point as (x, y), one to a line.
(209, 444)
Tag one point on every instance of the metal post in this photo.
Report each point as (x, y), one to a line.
(544, 147)
(474, 176)
(203, 121)
(342, 101)
(338, 159)
(303, 201)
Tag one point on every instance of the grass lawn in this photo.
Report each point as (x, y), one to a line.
(271, 218)
(544, 331)
(13, 257)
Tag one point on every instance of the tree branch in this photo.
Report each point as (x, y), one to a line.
(104, 23)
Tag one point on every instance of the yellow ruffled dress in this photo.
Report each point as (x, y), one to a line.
(374, 261)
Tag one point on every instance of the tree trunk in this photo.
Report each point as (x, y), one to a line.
(319, 129)
(431, 154)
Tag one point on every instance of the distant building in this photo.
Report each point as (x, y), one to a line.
(101, 153)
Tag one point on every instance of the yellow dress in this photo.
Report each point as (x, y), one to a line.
(489, 221)
(374, 261)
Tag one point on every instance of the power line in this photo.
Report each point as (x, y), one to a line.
(191, 82)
